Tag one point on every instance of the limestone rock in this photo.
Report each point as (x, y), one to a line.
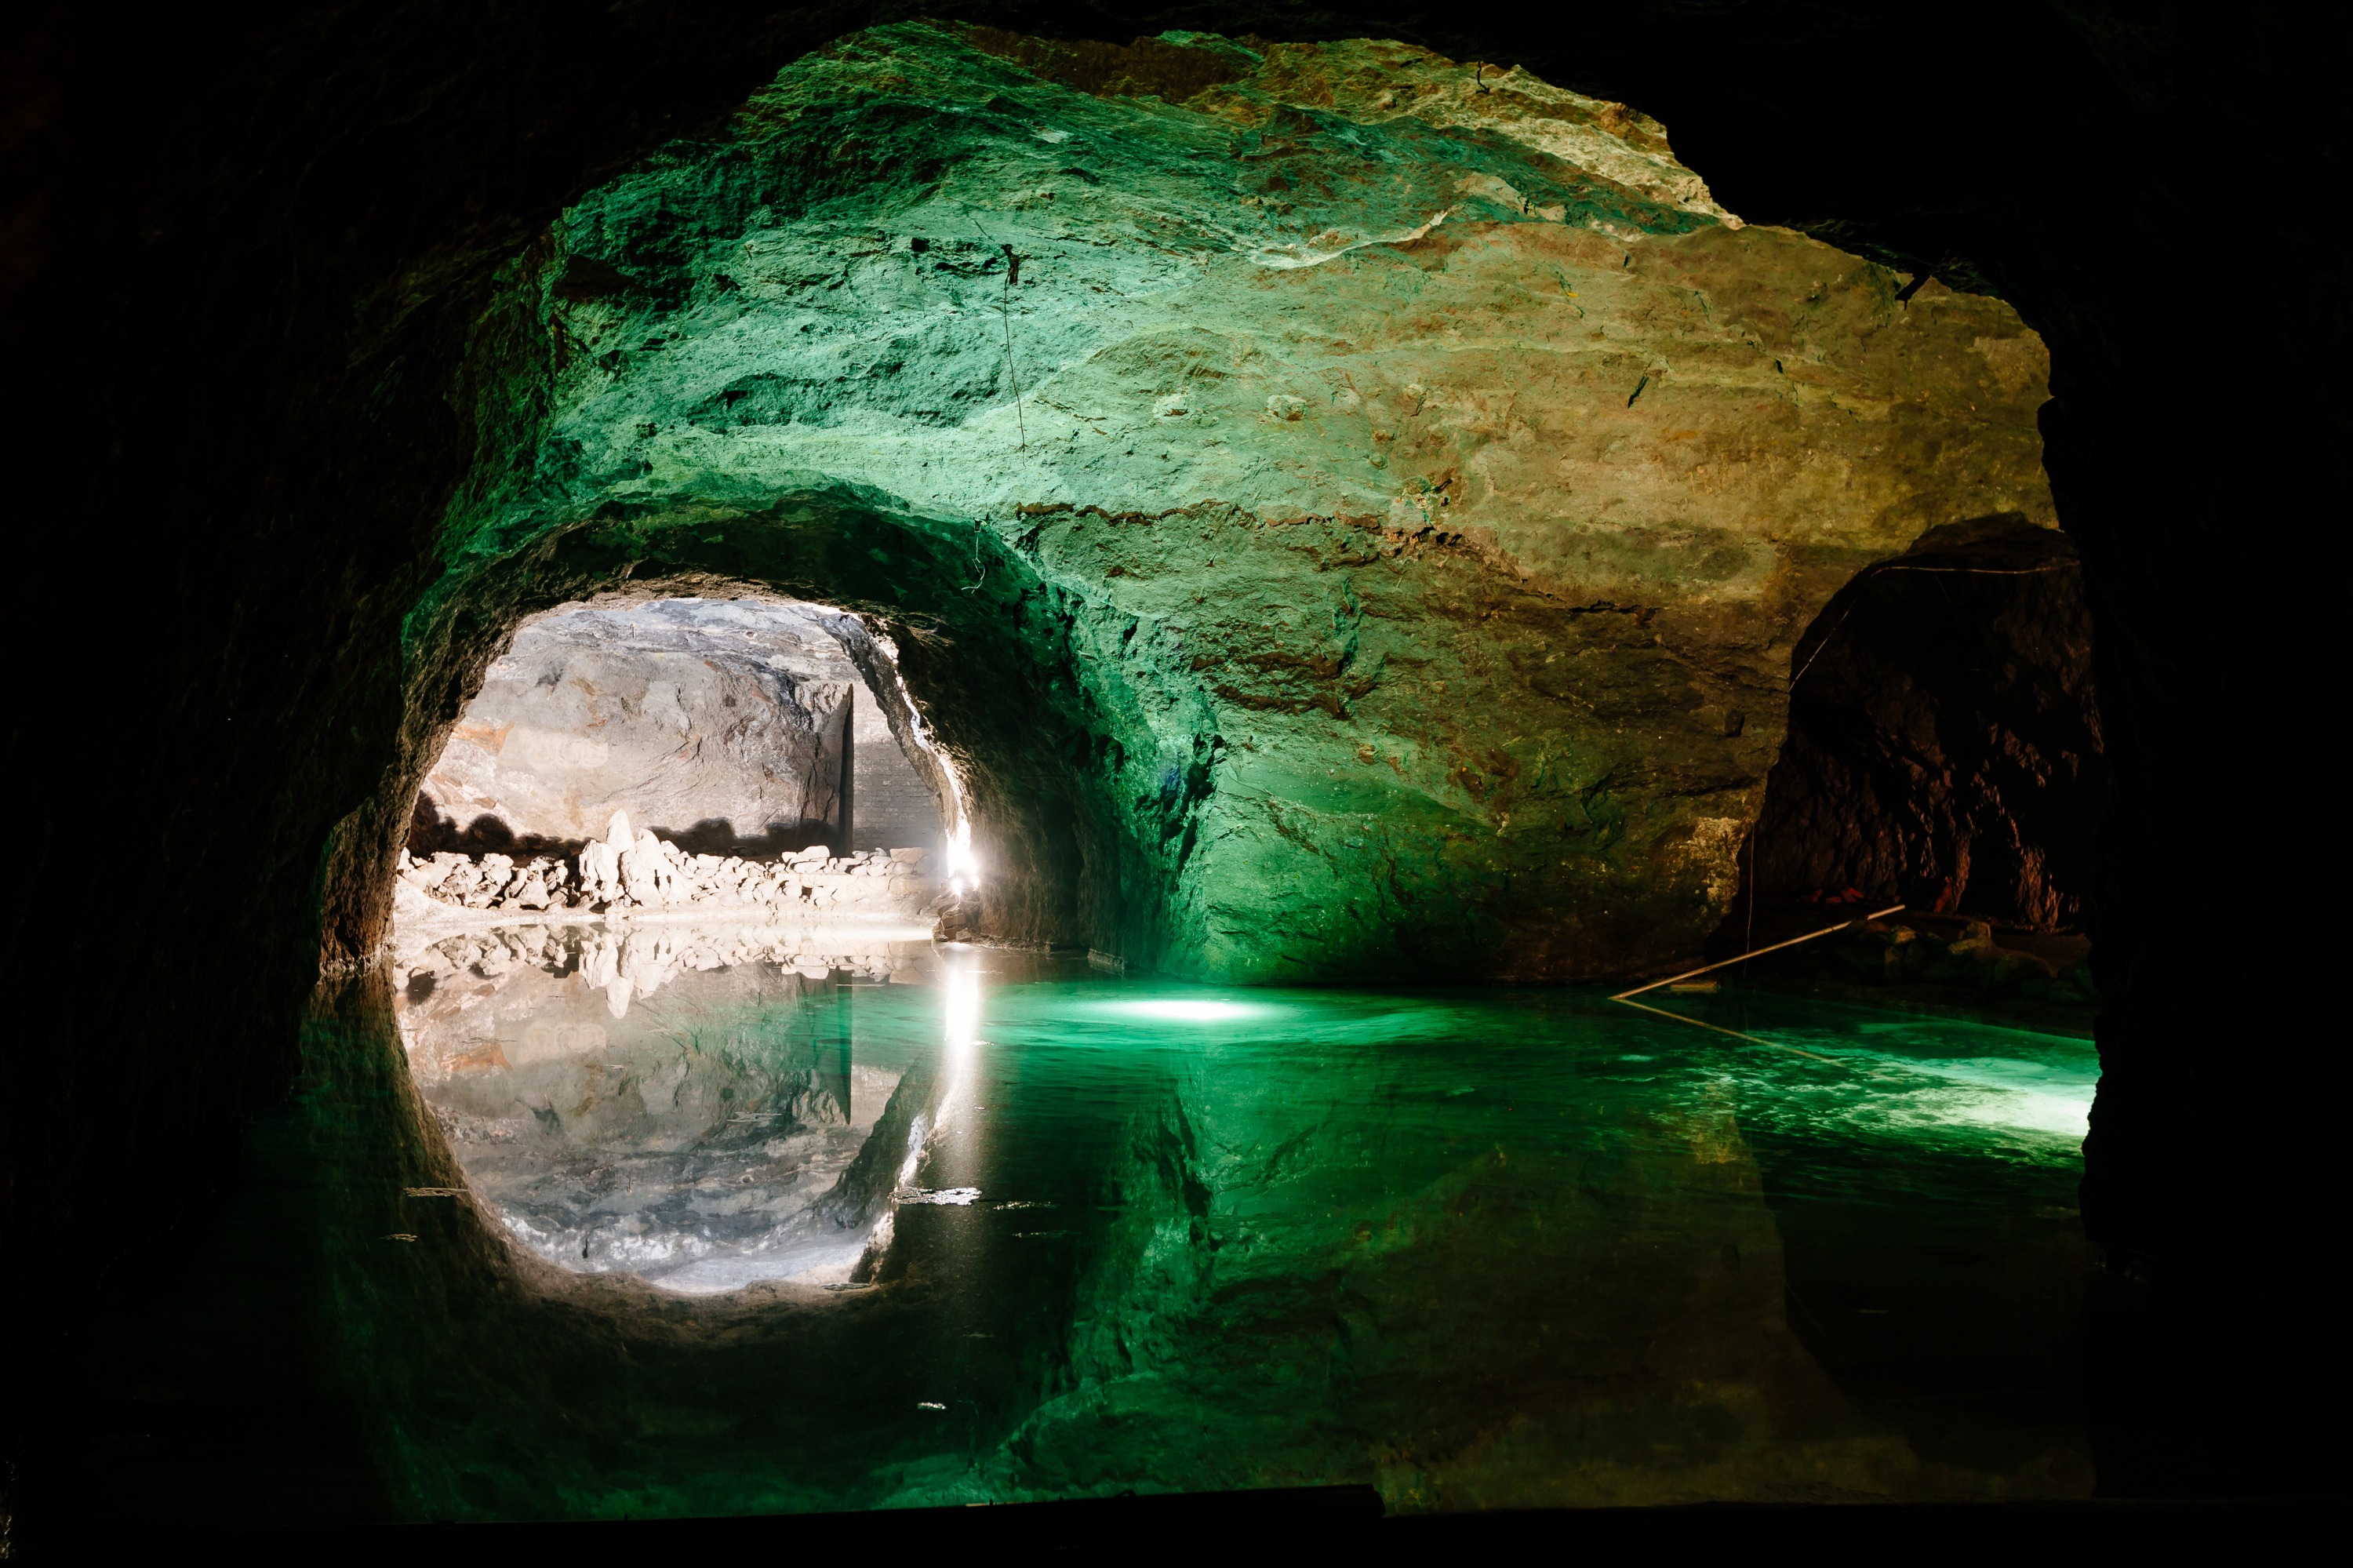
(1408, 474)
(688, 714)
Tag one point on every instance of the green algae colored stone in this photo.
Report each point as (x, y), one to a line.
(1328, 498)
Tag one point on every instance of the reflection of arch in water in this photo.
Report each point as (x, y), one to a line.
(703, 1142)
(452, 1343)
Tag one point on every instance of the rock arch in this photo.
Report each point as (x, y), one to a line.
(1410, 643)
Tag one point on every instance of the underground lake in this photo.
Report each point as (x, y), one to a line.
(805, 1231)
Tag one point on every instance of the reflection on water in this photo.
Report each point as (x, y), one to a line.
(683, 1105)
(974, 1225)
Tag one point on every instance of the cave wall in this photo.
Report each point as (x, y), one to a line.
(718, 724)
(1423, 470)
(245, 259)
(1944, 748)
(895, 808)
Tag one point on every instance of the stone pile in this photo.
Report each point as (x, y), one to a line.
(628, 872)
(1882, 954)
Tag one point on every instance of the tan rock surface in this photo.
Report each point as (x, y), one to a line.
(1428, 482)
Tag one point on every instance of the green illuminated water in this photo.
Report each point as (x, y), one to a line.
(1008, 1228)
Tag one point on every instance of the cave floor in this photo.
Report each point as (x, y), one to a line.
(1477, 1247)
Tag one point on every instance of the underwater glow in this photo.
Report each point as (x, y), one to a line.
(1185, 1011)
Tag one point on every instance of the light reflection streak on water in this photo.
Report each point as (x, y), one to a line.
(951, 1143)
(936, 1134)
(2038, 1091)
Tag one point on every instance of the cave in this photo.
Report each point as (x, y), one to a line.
(1270, 762)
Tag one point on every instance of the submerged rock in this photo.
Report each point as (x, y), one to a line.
(1411, 480)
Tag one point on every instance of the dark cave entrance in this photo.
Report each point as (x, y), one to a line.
(1944, 753)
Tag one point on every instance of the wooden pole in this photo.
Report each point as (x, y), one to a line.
(1720, 1029)
(1759, 953)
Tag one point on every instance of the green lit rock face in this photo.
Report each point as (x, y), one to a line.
(1343, 510)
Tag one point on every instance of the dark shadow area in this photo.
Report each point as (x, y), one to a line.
(430, 833)
(1944, 749)
(717, 835)
(1874, 1275)
(1944, 753)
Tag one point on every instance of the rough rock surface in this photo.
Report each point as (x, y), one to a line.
(1412, 484)
(1945, 748)
(719, 723)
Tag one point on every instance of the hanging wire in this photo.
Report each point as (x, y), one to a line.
(979, 566)
(1005, 312)
(1012, 378)
(1749, 941)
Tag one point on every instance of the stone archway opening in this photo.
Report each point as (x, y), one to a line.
(689, 800)
(665, 844)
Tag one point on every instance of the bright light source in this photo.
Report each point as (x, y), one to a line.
(963, 864)
(1186, 1011)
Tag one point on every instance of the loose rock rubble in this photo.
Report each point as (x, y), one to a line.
(1882, 954)
(626, 872)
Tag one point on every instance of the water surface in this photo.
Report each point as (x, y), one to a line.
(720, 1223)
